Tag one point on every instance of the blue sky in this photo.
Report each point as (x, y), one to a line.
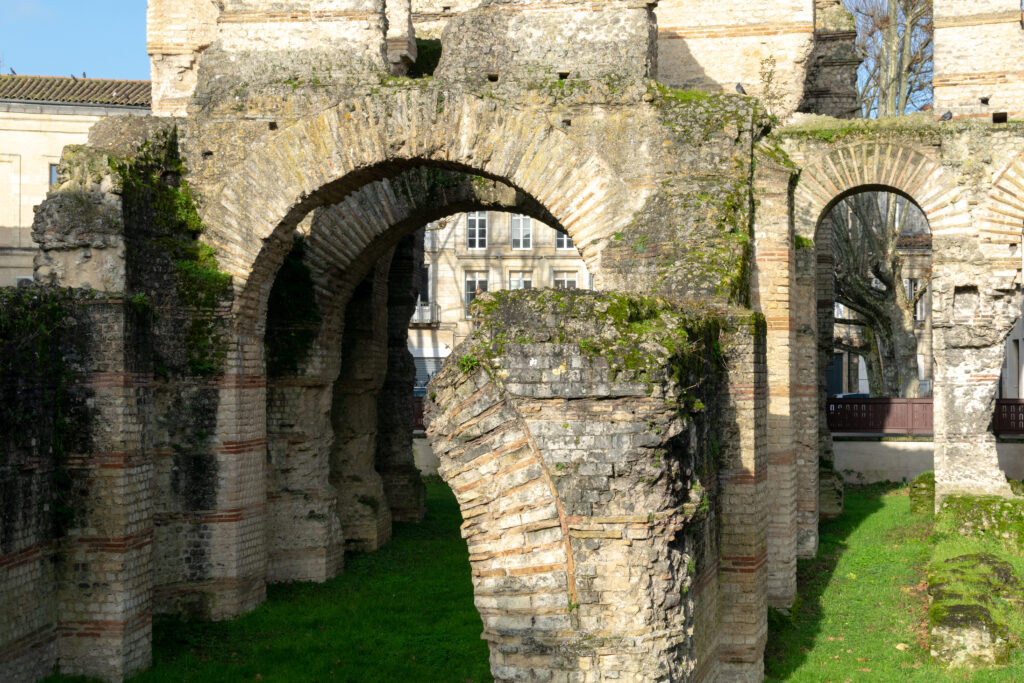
(103, 38)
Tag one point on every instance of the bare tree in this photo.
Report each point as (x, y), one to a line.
(875, 237)
(895, 38)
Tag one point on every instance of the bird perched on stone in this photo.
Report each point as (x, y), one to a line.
(73, 78)
(740, 89)
(946, 117)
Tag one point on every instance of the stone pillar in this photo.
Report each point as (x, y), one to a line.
(401, 37)
(365, 516)
(177, 32)
(808, 419)
(403, 485)
(970, 325)
(103, 567)
(591, 491)
(774, 288)
(743, 479)
(105, 578)
(304, 534)
(831, 85)
(830, 485)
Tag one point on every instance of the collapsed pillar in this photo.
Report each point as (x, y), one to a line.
(595, 442)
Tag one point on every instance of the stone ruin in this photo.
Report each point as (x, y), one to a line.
(638, 468)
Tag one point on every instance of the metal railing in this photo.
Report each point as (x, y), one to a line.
(910, 416)
(1009, 416)
(907, 416)
(430, 240)
(426, 314)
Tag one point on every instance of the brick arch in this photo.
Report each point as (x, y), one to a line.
(347, 238)
(322, 159)
(1000, 226)
(876, 165)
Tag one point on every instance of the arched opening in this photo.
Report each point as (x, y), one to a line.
(873, 283)
(340, 376)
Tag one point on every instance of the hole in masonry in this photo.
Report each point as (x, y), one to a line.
(999, 117)
(493, 78)
(446, 8)
(566, 123)
(272, 125)
(562, 75)
(984, 100)
(207, 154)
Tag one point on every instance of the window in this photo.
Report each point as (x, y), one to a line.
(563, 241)
(520, 279)
(522, 232)
(425, 284)
(565, 279)
(476, 230)
(476, 283)
(54, 176)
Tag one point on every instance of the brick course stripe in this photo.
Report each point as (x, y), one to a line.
(235, 447)
(116, 544)
(17, 558)
(689, 32)
(210, 516)
(28, 642)
(103, 628)
(254, 16)
(981, 19)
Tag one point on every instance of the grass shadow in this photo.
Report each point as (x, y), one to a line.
(402, 613)
(790, 638)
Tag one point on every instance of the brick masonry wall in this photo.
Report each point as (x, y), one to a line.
(975, 223)
(590, 500)
(979, 47)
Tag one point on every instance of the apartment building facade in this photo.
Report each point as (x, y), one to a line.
(483, 251)
(39, 116)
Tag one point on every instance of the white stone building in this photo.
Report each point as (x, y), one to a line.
(39, 115)
(483, 251)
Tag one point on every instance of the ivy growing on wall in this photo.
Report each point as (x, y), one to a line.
(43, 412)
(156, 194)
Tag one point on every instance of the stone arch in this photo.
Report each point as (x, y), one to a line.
(349, 245)
(1000, 226)
(876, 165)
(322, 159)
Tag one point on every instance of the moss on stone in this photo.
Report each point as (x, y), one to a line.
(644, 340)
(45, 416)
(922, 494)
(155, 191)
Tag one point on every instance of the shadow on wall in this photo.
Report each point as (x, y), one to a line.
(685, 72)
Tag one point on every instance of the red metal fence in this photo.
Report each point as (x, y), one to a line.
(909, 416)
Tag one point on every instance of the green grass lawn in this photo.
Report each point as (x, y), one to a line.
(405, 613)
(402, 613)
(862, 614)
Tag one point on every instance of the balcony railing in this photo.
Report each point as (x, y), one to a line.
(430, 240)
(426, 314)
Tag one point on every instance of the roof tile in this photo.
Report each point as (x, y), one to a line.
(67, 90)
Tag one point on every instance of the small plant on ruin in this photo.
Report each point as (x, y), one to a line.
(771, 97)
(468, 364)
